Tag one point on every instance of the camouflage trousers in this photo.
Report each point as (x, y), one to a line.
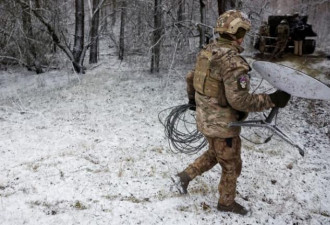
(262, 45)
(279, 48)
(226, 152)
(298, 47)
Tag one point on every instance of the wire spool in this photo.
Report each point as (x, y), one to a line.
(183, 136)
(181, 130)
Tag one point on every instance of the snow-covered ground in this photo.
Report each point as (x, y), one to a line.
(90, 150)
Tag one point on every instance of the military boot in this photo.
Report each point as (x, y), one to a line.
(235, 208)
(181, 182)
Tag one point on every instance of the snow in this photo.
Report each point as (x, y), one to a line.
(89, 149)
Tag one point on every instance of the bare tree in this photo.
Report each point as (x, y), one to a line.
(81, 45)
(169, 25)
(93, 52)
(79, 35)
(202, 37)
(104, 14)
(21, 40)
(122, 30)
(181, 10)
(55, 18)
(139, 20)
(114, 8)
(224, 5)
(31, 53)
(221, 6)
(157, 35)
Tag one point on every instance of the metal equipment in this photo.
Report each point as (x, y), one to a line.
(291, 81)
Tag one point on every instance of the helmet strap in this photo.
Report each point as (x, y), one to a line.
(227, 36)
(232, 36)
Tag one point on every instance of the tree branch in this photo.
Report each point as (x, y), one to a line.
(50, 30)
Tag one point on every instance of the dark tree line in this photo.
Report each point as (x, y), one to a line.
(32, 31)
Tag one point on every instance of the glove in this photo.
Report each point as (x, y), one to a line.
(280, 98)
(193, 104)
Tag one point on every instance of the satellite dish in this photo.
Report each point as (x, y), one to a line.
(292, 81)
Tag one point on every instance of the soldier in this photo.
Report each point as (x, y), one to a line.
(283, 32)
(219, 88)
(263, 33)
(298, 34)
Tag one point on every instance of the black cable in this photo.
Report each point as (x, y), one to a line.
(181, 131)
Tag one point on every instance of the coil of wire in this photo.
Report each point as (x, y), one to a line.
(181, 130)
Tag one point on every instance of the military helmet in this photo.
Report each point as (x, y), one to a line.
(295, 14)
(230, 21)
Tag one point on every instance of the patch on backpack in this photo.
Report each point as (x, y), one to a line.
(242, 82)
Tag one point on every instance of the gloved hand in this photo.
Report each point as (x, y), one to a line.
(280, 98)
(192, 102)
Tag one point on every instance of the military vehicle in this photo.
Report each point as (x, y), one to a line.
(298, 26)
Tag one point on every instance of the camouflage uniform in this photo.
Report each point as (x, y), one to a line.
(263, 32)
(283, 31)
(298, 34)
(217, 107)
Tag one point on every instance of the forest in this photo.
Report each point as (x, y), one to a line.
(43, 35)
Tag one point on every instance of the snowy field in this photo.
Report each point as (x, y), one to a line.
(90, 150)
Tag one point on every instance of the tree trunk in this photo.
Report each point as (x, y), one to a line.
(157, 34)
(122, 30)
(233, 4)
(221, 6)
(79, 35)
(93, 52)
(31, 56)
(27, 28)
(104, 16)
(202, 38)
(114, 8)
(55, 24)
(181, 10)
(139, 18)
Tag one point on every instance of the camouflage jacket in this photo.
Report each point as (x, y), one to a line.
(213, 114)
(264, 30)
(283, 32)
